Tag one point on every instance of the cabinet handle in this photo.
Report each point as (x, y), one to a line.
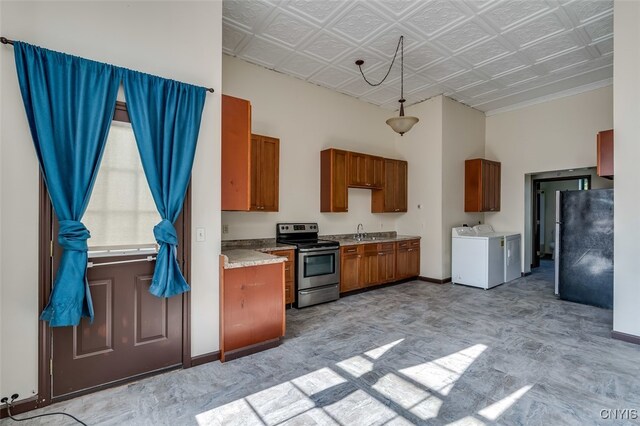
(351, 250)
(397, 210)
(410, 250)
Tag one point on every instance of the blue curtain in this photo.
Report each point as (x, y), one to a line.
(69, 103)
(165, 116)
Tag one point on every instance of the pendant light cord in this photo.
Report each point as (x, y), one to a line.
(400, 47)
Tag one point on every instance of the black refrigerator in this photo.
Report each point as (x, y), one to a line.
(584, 247)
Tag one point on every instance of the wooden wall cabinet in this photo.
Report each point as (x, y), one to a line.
(393, 197)
(250, 163)
(605, 154)
(236, 154)
(481, 185)
(408, 259)
(265, 172)
(333, 181)
(289, 274)
(368, 265)
(251, 308)
(365, 171)
(351, 268)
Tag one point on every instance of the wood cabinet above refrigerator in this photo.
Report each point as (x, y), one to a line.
(481, 185)
(250, 163)
(605, 154)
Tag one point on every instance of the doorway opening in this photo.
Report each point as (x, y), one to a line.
(540, 211)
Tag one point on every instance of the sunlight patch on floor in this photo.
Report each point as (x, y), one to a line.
(410, 397)
(356, 366)
(495, 410)
(378, 352)
(442, 374)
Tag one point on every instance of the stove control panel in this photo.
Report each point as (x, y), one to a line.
(296, 228)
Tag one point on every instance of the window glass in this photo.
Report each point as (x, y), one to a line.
(121, 211)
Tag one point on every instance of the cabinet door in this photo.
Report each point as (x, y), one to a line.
(370, 268)
(386, 266)
(401, 187)
(235, 151)
(357, 169)
(413, 262)
(255, 172)
(269, 170)
(350, 269)
(333, 181)
(490, 186)
(390, 173)
(605, 153)
(402, 263)
(375, 171)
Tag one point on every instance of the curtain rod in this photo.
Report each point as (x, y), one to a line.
(5, 40)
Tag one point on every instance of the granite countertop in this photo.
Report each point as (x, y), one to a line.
(350, 241)
(261, 245)
(240, 258)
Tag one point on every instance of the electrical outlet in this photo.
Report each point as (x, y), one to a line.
(225, 229)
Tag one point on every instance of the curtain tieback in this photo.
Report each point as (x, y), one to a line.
(165, 233)
(73, 235)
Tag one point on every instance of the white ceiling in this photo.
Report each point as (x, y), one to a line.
(489, 54)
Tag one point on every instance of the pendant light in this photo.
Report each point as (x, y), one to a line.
(402, 123)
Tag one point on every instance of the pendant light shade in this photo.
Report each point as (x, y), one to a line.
(403, 123)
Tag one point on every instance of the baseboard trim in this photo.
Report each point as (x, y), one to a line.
(629, 338)
(205, 358)
(250, 350)
(23, 406)
(525, 274)
(435, 280)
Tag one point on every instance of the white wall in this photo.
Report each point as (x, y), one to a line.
(555, 135)
(172, 39)
(626, 78)
(463, 133)
(422, 147)
(307, 119)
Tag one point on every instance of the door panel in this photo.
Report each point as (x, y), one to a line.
(133, 332)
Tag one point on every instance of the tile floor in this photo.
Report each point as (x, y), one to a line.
(415, 353)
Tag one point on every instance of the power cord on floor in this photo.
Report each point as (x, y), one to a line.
(9, 404)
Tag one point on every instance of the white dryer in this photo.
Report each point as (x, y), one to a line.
(477, 258)
(511, 247)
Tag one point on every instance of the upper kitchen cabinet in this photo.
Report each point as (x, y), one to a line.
(365, 171)
(265, 171)
(236, 153)
(392, 198)
(605, 154)
(250, 163)
(333, 181)
(481, 185)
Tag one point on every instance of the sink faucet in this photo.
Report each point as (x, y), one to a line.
(360, 234)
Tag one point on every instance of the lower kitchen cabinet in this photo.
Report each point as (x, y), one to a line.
(408, 259)
(251, 308)
(351, 268)
(289, 274)
(368, 265)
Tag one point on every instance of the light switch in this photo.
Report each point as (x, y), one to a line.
(200, 235)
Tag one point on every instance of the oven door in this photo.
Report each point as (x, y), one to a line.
(318, 268)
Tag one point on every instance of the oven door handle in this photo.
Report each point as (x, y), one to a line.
(320, 251)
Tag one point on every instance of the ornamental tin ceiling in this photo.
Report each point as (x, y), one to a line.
(488, 54)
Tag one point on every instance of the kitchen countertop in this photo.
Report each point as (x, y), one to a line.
(240, 258)
(350, 241)
(261, 245)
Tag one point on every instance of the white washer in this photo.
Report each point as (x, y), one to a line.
(511, 246)
(477, 258)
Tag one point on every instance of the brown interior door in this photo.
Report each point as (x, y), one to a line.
(133, 332)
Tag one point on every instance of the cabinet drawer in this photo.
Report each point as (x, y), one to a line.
(409, 243)
(379, 247)
(288, 293)
(289, 271)
(351, 249)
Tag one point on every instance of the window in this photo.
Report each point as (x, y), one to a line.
(121, 212)
(583, 184)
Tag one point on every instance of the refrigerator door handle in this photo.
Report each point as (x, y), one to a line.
(557, 246)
